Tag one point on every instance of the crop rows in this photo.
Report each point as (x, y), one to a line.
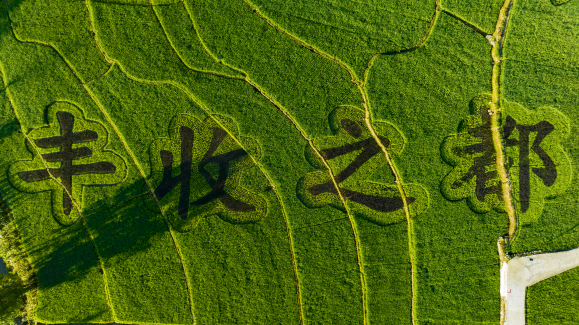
(281, 162)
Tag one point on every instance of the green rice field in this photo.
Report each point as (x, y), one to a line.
(285, 161)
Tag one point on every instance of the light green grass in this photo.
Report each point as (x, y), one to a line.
(541, 71)
(211, 278)
(65, 25)
(553, 301)
(278, 78)
(352, 31)
(308, 86)
(426, 95)
(482, 14)
(67, 268)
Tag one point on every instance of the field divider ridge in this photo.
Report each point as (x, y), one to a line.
(177, 53)
(98, 104)
(261, 168)
(205, 47)
(35, 295)
(272, 184)
(235, 139)
(437, 11)
(497, 40)
(361, 86)
(177, 248)
(348, 213)
(173, 238)
(73, 201)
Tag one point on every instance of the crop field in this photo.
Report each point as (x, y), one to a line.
(286, 161)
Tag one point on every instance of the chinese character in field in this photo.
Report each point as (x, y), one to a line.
(476, 176)
(70, 156)
(537, 166)
(361, 171)
(201, 169)
(484, 158)
(547, 173)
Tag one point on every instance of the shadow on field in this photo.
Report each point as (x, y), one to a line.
(68, 255)
(117, 231)
(120, 225)
(12, 291)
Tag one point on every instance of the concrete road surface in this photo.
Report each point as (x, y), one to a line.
(522, 272)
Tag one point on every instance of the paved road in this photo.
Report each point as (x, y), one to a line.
(522, 272)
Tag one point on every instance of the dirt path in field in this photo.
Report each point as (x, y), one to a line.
(523, 271)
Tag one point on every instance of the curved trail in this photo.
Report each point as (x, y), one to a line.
(366, 107)
(497, 41)
(524, 271)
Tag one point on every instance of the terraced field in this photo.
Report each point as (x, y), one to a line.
(285, 162)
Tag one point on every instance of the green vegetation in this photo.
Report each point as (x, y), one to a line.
(64, 261)
(351, 32)
(220, 159)
(553, 301)
(473, 161)
(475, 176)
(426, 95)
(99, 168)
(17, 284)
(541, 71)
(281, 162)
(353, 154)
(546, 84)
(64, 25)
(480, 13)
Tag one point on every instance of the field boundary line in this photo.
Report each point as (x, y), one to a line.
(93, 30)
(205, 47)
(102, 75)
(497, 40)
(98, 104)
(437, 11)
(179, 56)
(348, 213)
(175, 49)
(465, 22)
(303, 43)
(73, 201)
(279, 106)
(6, 94)
(260, 167)
(361, 87)
(174, 239)
(121, 138)
(398, 182)
(52, 177)
(210, 115)
(270, 181)
(152, 6)
(310, 142)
